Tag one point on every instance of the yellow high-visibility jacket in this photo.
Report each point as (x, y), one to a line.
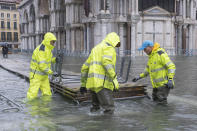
(42, 57)
(98, 71)
(159, 67)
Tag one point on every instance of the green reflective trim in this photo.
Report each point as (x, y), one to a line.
(43, 62)
(84, 75)
(37, 72)
(96, 62)
(46, 70)
(40, 61)
(34, 60)
(87, 64)
(159, 69)
(168, 63)
(159, 80)
(99, 76)
(108, 56)
(109, 66)
(171, 70)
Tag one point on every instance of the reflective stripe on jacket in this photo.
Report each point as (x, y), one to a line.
(42, 57)
(159, 67)
(99, 69)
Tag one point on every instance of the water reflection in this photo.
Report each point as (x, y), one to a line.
(57, 113)
(39, 109)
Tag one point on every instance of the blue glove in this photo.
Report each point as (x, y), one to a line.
(136, 79)
(170, 84)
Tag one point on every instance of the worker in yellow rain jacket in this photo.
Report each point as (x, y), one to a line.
(98, 74)
(160, 69)
(40, 67)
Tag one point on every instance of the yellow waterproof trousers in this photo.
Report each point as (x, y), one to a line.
(39, 82)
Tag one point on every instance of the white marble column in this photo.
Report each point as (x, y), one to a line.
(136, 7)
(181, 7)
(121, 8)
(88, 36)
(52, 20)
(72, 11)
(63, 40)
(190, 37)
(37, 25)
(133, 39)
(72, 40)
(58, 43)
(184, 9)
(30, 44)
(133, 7)
(122, 40)
(68, 41)
(103, 29)
(23, 43)
(192, 9)
(188, 9)
(179, 39)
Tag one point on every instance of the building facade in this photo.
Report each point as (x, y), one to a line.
(81, 24)
(9, 27)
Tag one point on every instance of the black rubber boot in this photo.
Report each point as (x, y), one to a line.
(94, 109)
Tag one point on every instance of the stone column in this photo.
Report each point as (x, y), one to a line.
(181, 7)
(122, 40)
(184, 9)
(72, 39)
(190, 37)
(88, 37)
(68, 41)
(37, 25)
(121, 8)
(179, 39)
(188, 9)
(192, 10)
(30, 44)
(103, 29)
(63, 40)
(133, 39)
(125, 8)
(133, 7)
(52, 20)
(136, 7)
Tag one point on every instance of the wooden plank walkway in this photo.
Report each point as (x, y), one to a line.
(70, 86)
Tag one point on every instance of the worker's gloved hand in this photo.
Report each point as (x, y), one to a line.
(116, 85)
(170, 84)
(83, 90)
(55, 74)
(136, 79)
(57, 60)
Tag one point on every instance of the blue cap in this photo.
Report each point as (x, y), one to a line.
(145, 44)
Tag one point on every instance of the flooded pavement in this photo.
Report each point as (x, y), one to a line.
(142, 114)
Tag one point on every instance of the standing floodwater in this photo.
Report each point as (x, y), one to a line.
(137, 114)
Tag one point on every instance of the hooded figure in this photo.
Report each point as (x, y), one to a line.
(40, 67)
(98, 73)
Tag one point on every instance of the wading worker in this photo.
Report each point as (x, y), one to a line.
(98, 74)
(160, 69)
(40, 67)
